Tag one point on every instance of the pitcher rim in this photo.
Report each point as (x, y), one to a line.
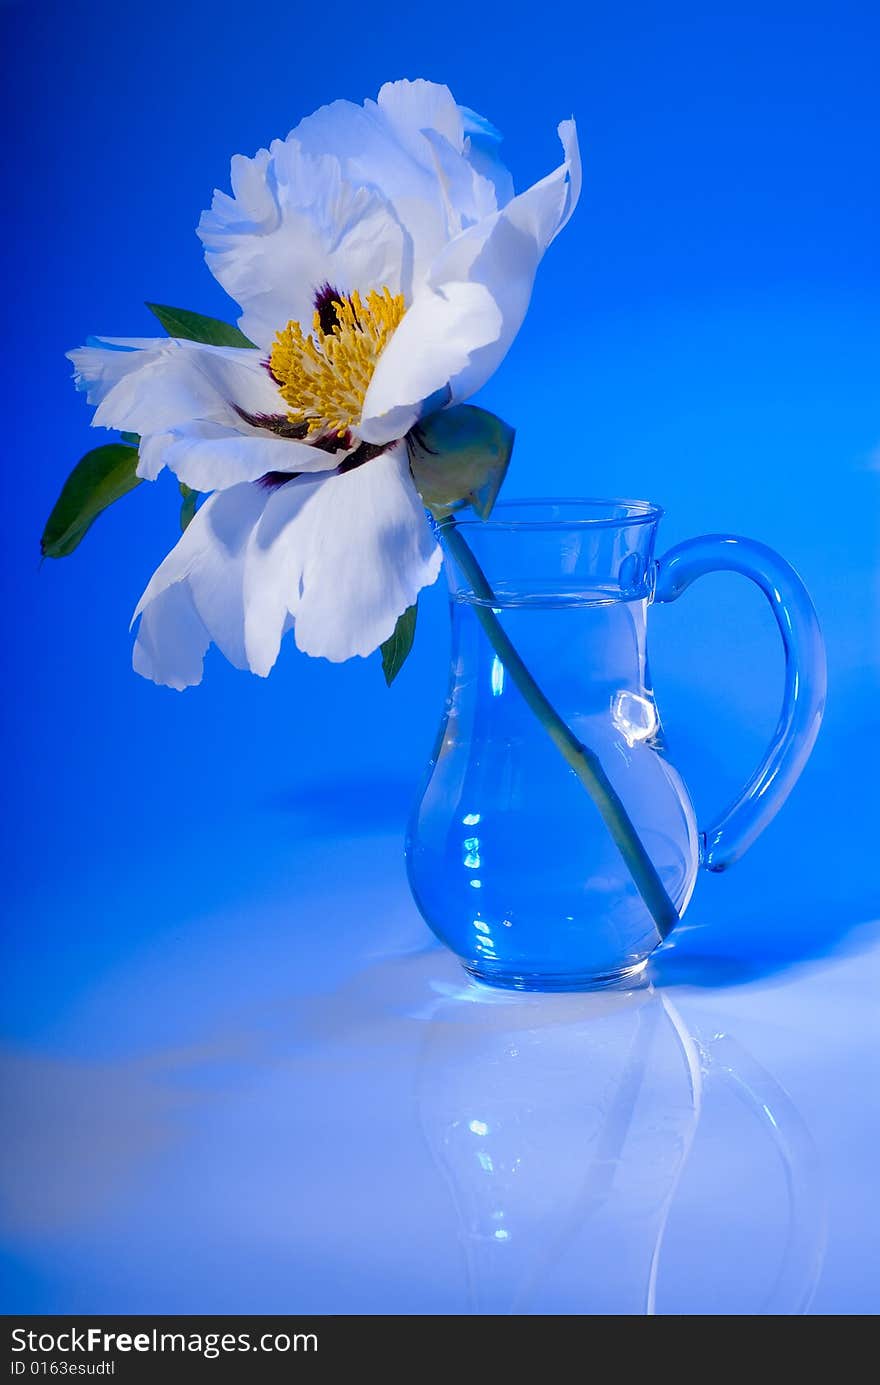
(635, 512)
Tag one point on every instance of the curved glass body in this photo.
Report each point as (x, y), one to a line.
(510, 861)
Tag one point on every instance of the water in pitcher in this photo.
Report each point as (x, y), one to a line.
(509, 859)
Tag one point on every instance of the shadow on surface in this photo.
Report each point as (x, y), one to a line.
(700, 955)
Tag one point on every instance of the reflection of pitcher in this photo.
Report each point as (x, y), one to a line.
(554, 843)
(563, 1124)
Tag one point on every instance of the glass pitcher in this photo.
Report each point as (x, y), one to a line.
(554, 845)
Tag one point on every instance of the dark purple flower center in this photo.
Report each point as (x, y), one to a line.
(326, 299)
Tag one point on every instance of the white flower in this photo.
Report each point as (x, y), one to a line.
(383, 267)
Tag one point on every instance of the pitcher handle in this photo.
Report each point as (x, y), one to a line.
(727, 839)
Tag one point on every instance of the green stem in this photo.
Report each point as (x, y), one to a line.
(583, 761)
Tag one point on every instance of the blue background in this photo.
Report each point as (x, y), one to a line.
(705, 334)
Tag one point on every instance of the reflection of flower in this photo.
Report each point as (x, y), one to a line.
(383, 267)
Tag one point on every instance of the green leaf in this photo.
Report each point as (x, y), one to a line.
(459, 457)
(100, 477)
(133, 439)
(180, 322)
(396, 649)
(188, 505)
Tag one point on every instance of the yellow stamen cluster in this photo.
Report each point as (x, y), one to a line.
(323, 377)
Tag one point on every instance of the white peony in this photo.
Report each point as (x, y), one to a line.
(383, 267)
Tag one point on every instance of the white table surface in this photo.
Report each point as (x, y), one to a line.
(289, 1100)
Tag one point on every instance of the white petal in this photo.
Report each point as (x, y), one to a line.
(344, 557)
(181, 397)
(151, 454)
(293, 224)
(273, 577)
(567, 132)
(148, 385)
(195, 596)
(499, 256)
(391, 144)
(172, 640)
(209, 457)
(443, 331)
(368, 564)
(465, 195)
(411, 108)
(340, 557)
